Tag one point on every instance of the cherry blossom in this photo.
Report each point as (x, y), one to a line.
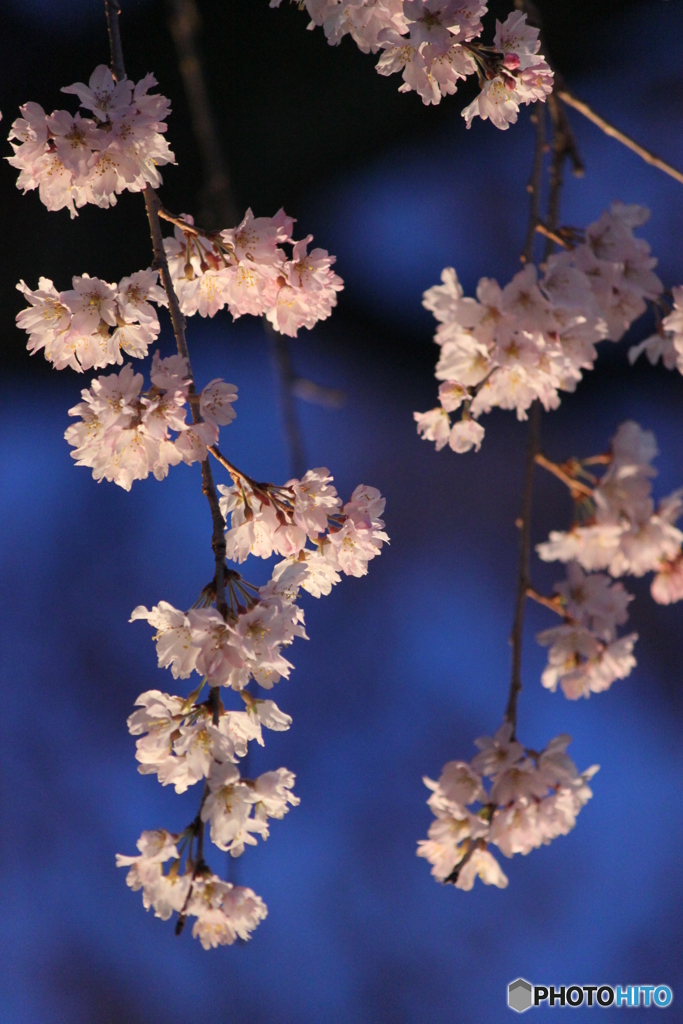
(583, 664)
(433, 45)
(247, 269)
(533, 798)
(224, 911)
(523, 76)
(269, 520)
(363, 20)
(626, 533)
(667, 343)
(94, 323)
(124, 434)
(237, 810)
(228, 653)
(534, 338)
(179, 741)
(165, 893)
(74, 160)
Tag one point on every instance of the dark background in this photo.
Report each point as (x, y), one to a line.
(404, 668)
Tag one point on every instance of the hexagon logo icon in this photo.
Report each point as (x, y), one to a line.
(520, 995)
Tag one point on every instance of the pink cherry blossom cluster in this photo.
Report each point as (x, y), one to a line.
(667, 342)
(533, 798)
(230, 652)
(181, 745)
(246, 269)
(534, 338)
(91, 325)
(620, 528)
(124, 434)
(282, 521)
(223, 912)
(74, 160)
(431, 43)
(585, 656)
(183, 741)
(179, 741)
(236, 633)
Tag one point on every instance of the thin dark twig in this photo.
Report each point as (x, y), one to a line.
(571, 146)
(177, 319)
(112, 12)
(524, 581)
(557, 239)
(153, 206)
(475, 845)
(534, 185)
(282, 364)
(561, 146)
(575, 486)
(553, 603)
(185, 23)
(616, 133)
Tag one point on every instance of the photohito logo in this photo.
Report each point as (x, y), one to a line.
(522, 995)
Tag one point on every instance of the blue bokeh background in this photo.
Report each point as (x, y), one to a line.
(404, 668)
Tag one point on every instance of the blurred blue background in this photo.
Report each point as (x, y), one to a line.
(404, 667)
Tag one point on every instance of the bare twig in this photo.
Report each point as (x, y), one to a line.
(553, 603)
(523, 582)
(284, 372)
(153, 206)
(476, 844)
(184, 24)
(575, 486)
(615, 133)
(534, 185)
(557, 239)
(560, 150)
(112, 11)
(318, 394)
(234, 472)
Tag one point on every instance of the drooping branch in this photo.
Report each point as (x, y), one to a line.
(523, 580)
(553, 603)
(112, 12)
(576, 487)
(184, 24)
(284, 372)
(616, 133)
(178, 321)
(534, 185)
(153, 206)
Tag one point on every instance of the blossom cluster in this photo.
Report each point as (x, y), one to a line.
(236, 633)
(534, 338)
(181, 745)
(229, 652)
(620, 528)
(282, 520)
(223, 911)
(73, 160)
(667, 342)
(246, 269)
(92, 324)
(532, 799)
(124, 434)
(431, 43)
(182, 740)
(179, 741)
(585, 655)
